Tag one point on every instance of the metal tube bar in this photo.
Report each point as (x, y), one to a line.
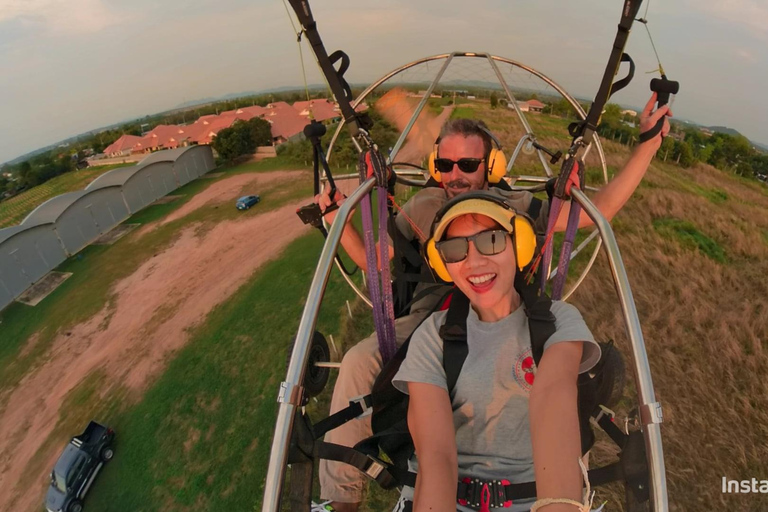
(356, 176)
(519, 112)
(583, 275)
(419, 108)
(327, 365)
(576, 251)
(290, 389)
(643, 381)
(526, 137)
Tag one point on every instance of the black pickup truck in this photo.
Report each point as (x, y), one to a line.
(77, 467)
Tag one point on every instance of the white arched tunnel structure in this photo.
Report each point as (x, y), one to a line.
(67, 223)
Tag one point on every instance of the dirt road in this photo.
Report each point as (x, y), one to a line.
(149, 319)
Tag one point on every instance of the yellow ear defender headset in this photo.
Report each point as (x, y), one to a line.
(495, 161)
(489, 204)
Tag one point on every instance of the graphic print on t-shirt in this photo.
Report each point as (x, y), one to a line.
(525, 370)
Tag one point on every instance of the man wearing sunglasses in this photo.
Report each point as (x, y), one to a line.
(462, 161)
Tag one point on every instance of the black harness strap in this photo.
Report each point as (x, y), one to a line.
(454, 335)
(356, 408)
(370, 465)
(336, 80)
(534, 209)
(589, 125)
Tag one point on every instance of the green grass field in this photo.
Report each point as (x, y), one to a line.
(14, 209)
(200, 436)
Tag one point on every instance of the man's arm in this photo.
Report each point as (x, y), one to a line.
(430, 420)
(351, 240)
(554, 421)
(614, 195)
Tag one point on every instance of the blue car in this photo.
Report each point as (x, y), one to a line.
(246, 202)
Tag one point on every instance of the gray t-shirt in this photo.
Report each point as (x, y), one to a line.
(490, 399)
(420, 211)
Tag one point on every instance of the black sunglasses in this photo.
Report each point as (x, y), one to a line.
(488, 243)
(467, 165)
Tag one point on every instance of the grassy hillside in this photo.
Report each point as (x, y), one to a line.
(14, 209)
(695, 244)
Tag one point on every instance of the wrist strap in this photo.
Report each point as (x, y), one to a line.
(589, 496)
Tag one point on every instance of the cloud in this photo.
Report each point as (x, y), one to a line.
(746, 55)
(752, 14)
(61, 17)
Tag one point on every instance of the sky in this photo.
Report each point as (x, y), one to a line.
(67, 67)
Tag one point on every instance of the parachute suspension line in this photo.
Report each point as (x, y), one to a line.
(415, 227)
(644, 21)
(299, 34)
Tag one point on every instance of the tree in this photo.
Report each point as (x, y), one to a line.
(261, 131)
(611, 115)
(560, 107)
(684, 154)
(239, 139)
(494, 100)
(667, 147)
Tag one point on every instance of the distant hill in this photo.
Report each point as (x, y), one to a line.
(232, 96)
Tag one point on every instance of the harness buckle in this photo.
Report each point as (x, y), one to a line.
(374, 467)
(367, 409)
(603, 411)
(483, 493)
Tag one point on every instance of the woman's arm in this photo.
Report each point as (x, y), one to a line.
(554, 422)
(430, 420)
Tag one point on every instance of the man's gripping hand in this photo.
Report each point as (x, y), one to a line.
(649, 117)
(325, 201)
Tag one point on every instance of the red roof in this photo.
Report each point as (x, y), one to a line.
(207, 131)
(206, 118)
(167, 136)
(322, 110)
(245, 113)
(286, 123)
(148, 142)
(192, 131)
(124, 143)
(535, 104)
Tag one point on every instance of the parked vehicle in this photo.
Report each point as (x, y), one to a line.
(246, 202)
(77, 468)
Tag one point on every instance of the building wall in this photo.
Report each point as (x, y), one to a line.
(77, 226)
(25, 258)
(195, 162)
(90, 216)
(14, 282)
(108, 207)
(5, 295)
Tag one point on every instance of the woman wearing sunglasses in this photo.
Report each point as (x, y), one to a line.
(505, 419)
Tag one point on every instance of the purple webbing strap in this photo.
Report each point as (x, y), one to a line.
(380, 291)
(546, 259)
(565, 252)
(387, 343)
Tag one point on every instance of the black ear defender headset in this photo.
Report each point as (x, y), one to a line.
(492, 205)
(495, 161)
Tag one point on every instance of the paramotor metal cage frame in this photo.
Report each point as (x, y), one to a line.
(416, 178)
(291, 391)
